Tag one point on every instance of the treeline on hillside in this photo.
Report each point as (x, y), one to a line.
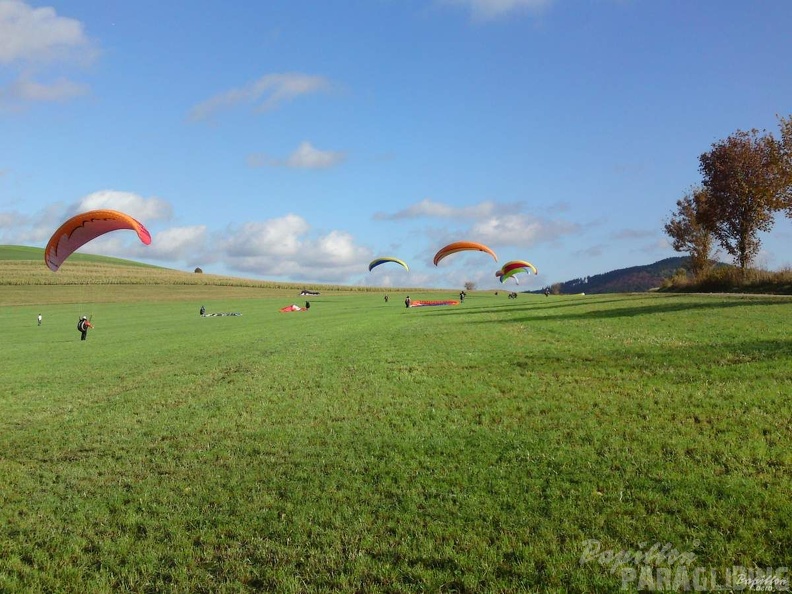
(634, 279)
(673, 274)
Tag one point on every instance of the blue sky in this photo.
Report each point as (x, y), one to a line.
(298, 140)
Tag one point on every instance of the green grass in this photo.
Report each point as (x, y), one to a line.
(360, 446)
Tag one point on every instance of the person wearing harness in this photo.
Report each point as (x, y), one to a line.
(83, 326)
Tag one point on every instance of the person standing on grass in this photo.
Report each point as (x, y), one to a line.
(407, 301)
(39, 319)
(83, 326)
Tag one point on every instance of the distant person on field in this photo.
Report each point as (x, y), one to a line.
(83, 326)
(307, 305)
(203, 310)
(386, 297)
(407, 301)
(39, 319)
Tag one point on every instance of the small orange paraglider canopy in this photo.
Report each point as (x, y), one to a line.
(459, 246)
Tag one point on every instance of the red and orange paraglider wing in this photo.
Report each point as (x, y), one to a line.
(518, 265)
(460, 246)
(82, 228)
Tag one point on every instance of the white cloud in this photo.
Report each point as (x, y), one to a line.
(268, 93)
(337, 248)
(24, 90)
(17, 229)
(593, 251)
(285, 247)
(275, 237)
(308, 157)
(33, 39)
(178, 243)
(520, 230)
(305, 157)
(632, 234)
(143, 209)
(36, 229)
(494, 9)
(30, 34)
(23, 229)
(10, 220)
(431, 209)
(280, 247)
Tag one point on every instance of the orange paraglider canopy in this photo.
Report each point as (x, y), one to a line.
(459, 246)
(82, 228)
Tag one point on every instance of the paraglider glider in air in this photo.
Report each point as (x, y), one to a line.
(377, 261)
(84, 227)
(460, 246)
(510, 269)
(518, 265)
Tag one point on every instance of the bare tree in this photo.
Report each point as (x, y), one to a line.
(746, 181)
(470, 286)
(688, 234)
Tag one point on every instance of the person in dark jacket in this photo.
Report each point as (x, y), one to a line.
(83, 326)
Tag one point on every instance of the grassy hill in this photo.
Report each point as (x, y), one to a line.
(25, 253)
(125, 280)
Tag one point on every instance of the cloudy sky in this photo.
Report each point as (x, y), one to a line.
(299, 140)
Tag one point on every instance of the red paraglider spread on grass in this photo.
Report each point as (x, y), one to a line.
(423, 303)
(290, 308)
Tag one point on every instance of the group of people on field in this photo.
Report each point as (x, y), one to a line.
(83, 325)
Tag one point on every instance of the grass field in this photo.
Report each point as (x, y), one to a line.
(493, 446)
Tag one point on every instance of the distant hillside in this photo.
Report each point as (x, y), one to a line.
(21, 252)
(635, 279)
(22, 266)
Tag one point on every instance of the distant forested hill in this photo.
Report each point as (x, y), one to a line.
(635, 279)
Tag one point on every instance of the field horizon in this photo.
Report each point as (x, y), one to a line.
(605, 443)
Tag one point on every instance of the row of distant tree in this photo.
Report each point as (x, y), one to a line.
(746, 181)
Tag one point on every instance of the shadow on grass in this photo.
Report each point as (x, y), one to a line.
(664, 358)
(654, 306)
